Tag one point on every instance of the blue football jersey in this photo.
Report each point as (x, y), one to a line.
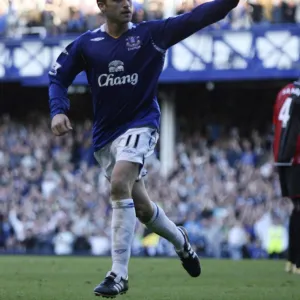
(123, 72)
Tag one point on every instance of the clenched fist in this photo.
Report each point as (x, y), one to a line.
(60, 124)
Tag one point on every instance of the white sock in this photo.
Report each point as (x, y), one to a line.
(123, 226)
(163, 226)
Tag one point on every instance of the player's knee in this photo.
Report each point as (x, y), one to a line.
(144, 212)
(120, 188)
(122, 179)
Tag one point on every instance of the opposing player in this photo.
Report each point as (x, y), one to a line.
(286, 120)
(123, 62)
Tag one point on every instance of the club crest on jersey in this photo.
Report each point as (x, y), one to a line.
(133, 43)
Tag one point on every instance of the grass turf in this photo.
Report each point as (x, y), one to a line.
(60, 278)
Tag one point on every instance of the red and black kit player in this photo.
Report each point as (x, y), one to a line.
(286, 147)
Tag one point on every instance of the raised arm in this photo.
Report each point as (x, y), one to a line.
(166, 33)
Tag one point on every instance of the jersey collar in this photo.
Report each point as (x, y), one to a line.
(103, 27)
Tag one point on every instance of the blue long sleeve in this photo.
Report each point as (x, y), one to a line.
(166, 33)
(68, 65)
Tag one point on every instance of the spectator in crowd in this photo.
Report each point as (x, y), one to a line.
(276, 238)
(288, 11)
(63, 241)
(76, 23)
(276, 11)
(237, 239)
(5, 232)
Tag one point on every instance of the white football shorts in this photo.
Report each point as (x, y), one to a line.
(134, 145)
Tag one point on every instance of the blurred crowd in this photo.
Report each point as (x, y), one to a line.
(55, 199)
(53, 17)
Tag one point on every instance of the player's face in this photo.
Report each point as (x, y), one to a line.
(119, 11)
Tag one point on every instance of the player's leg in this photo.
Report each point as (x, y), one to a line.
(293, 191)
(127, 155)
(123, 223)
(296, 239)
(156, 220)
(123, 216)
(291, 249)
(284, 174)
(154, 217)
(122, 175)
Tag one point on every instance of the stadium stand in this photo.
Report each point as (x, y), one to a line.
(223, 189)
(40, 17)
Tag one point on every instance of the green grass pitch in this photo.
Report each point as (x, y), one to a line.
(64, 278)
